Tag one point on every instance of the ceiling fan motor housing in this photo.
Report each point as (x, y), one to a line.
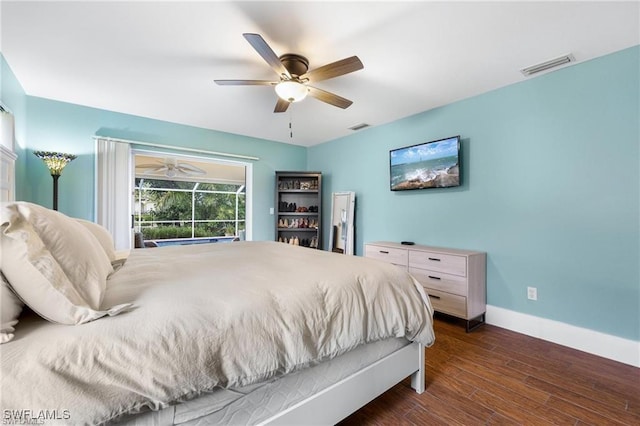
(297, 65)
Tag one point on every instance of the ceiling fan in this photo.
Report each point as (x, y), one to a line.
(294, 74)
(171, 167)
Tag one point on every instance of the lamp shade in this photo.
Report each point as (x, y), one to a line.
(55, 161)
(291, 91)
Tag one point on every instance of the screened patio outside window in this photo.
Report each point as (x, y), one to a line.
(169, 209)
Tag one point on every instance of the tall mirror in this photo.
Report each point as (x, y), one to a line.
(342, 218)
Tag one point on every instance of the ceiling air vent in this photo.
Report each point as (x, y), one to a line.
(359, 126)
(544, 66)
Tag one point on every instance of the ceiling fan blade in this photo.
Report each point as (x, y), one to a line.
(281, 105)
(261, 46)
(334, 69)
(188, 172)
(154, 170)
(329, 98)
(190, 169)
(149, 166)
(245, 82)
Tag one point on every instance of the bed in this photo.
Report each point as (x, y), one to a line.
(239, 333)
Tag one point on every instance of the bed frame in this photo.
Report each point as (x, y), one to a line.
(351, 393)
(335, 402)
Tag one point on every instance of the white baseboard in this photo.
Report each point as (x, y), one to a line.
(594, 342)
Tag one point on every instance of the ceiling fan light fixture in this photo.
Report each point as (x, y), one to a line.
(291, 91)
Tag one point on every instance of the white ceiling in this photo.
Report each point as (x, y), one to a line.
(159, 59)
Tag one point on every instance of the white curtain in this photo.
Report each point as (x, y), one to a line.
(113, 190)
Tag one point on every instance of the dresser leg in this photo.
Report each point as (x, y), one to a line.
(474, 323)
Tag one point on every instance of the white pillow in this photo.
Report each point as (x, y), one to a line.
(10, 308)
(76, 250)
(103, 236)
(54, 264)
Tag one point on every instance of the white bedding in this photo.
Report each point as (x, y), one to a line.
(206, 316)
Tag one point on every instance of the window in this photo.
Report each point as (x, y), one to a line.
(188, 201)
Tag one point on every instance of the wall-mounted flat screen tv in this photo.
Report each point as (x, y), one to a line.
(434, 164)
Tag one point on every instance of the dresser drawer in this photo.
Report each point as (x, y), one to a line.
(388, 254)
(448, 303)
(447, 263)
(440, 281)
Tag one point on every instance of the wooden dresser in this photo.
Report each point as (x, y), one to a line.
(455, 280)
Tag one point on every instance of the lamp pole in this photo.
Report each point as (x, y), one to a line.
(55, 191)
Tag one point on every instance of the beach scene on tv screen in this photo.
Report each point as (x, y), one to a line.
(429, 165)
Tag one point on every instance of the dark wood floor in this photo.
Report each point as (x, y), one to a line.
(496, 376)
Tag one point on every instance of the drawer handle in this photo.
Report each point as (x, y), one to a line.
(434, 278)
(434, 259)
(384, 252)
(434, 297)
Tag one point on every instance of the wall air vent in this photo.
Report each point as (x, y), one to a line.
(544, 66)
(359, 126)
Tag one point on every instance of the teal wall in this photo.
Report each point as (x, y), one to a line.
(550, 190)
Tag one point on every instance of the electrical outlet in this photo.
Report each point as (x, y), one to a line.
(532, 293)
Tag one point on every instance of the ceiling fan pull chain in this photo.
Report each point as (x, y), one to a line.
(290, 120)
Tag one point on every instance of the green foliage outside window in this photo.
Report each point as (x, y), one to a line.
(174, 209)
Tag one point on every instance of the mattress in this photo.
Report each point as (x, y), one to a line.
(257, 403)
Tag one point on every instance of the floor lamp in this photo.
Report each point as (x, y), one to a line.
(55, 162)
